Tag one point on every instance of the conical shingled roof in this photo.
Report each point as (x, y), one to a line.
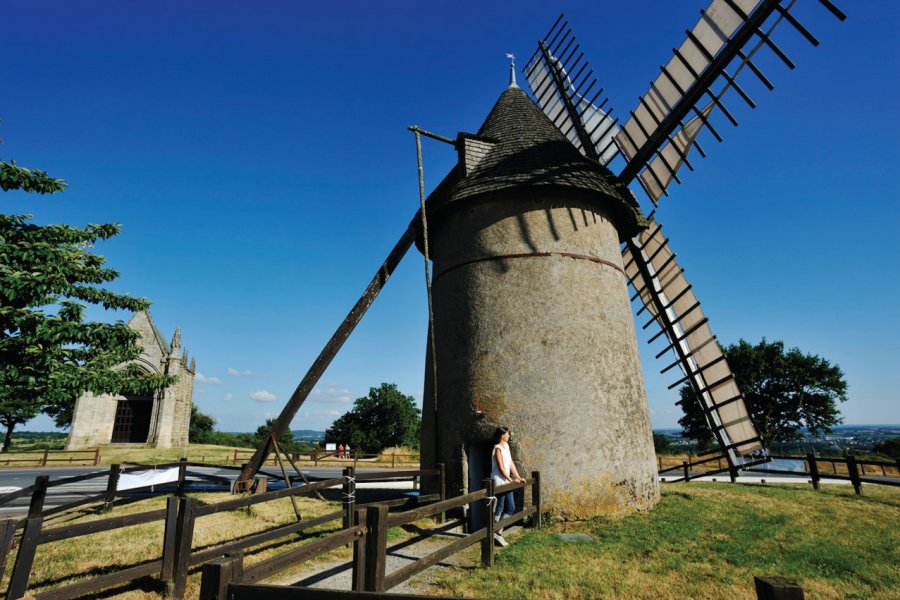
(529, 151)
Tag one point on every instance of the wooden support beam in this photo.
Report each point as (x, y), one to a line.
(332, 347)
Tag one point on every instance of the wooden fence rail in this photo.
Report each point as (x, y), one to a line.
(42, 458)
(331, 458)
(179, 521)
(851, 469)
(227, 577)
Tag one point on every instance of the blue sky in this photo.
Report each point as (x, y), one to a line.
(257, 157)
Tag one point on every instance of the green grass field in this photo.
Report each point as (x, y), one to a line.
(704, 540)
(708, 540)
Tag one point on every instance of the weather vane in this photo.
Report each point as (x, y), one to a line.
(512, 69)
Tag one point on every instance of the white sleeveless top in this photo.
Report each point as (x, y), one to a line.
(496, 474)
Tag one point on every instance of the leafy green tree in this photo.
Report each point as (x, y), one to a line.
(201, 426)
(889, 447)
(661, 443)
(14, 177)
(785, 391)
(380, 420)
(49, 354)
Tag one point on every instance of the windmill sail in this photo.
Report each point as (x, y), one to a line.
(723, 35)
(565, 98)
(666, 294)
(661, 170)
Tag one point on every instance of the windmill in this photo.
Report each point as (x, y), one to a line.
(533, 238)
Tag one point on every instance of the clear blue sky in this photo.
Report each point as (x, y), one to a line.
(257, 157)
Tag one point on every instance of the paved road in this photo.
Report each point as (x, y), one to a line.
(197, 479)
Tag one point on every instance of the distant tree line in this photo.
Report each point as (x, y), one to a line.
(202, 431)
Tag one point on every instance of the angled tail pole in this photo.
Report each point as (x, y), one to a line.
(331, 348)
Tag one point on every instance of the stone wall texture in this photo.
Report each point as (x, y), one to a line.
(94, 416)
(534, 331)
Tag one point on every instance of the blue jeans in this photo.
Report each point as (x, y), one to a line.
(506, 505)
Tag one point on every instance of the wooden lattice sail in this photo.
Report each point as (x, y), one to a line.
(656, 141)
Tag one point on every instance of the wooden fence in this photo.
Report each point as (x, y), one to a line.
(44, 457)
(227, 577)
(815, 467)
(333, 458)
(856, 470)
(179, 518)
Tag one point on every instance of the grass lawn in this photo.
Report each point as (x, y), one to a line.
(704, 540)
(707, 540)
(66, 562)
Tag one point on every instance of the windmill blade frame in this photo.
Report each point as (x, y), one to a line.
(660, 283)
(566, 98)
(721, 36)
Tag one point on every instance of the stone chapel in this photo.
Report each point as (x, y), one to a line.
(159, 421)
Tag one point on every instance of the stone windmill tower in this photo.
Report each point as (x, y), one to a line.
(534, 239)
(532, 318)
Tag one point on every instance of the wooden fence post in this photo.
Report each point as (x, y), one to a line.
(218, 574)
(487, 544)
(168, 552)
(358, 582)
(184, 535)
(31, 534)
(349, 496)
(112, 485)
(777, 588)
(537, 519)
(7, 534)
(854, 474)
(687, 471)
(44, 458)
(96, 456)
(316, 456)
(182, 471)
(442, 483)
(813, 470)
(376, 547)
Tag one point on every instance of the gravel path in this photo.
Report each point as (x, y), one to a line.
(336, 575)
